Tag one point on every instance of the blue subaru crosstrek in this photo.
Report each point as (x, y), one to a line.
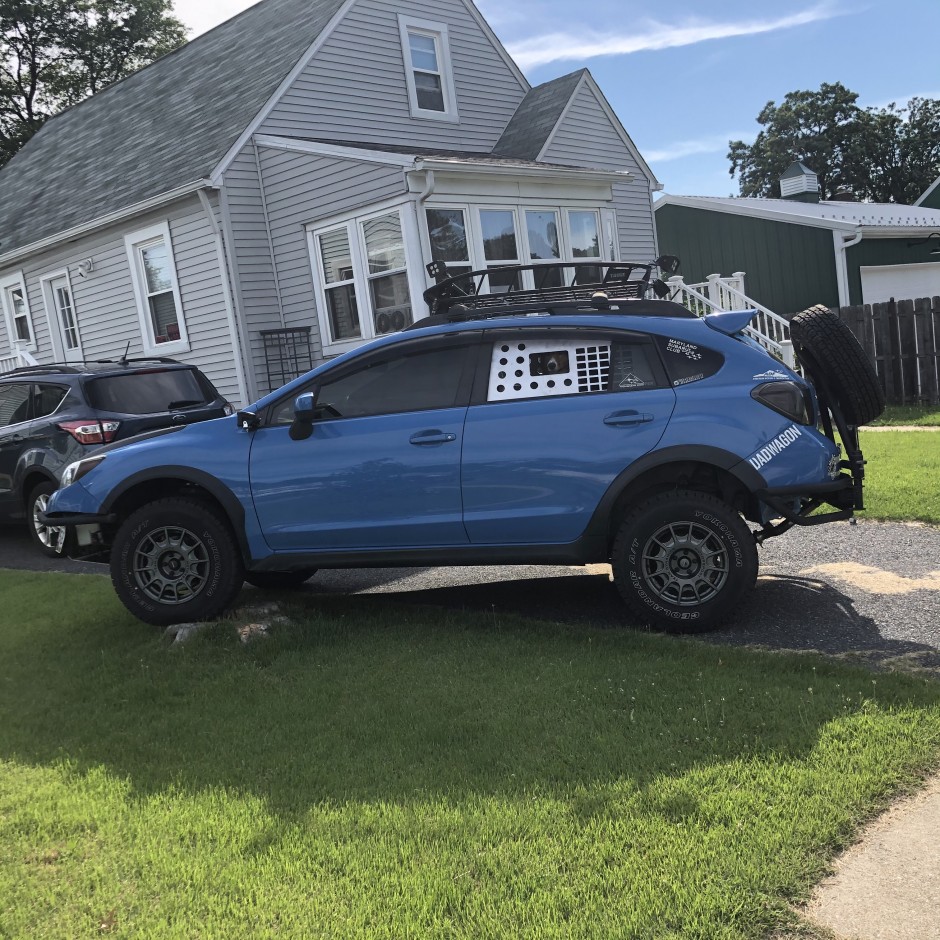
(567, 419)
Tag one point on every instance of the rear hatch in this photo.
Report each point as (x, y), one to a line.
(154, 397)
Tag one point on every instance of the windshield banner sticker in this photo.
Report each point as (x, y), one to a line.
(780, 443)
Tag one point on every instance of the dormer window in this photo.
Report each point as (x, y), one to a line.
(426, 52)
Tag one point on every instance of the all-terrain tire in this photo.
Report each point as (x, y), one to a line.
(683, 561)
(284, 580)
(176, 560)
(829, 350)
(52, 541)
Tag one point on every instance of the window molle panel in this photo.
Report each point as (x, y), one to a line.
(541, 368)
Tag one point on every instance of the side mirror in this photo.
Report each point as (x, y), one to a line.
(302, 426)
(668, 264)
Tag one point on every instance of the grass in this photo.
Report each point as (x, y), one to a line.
(382, 771)
(913, 415)
(902, 476)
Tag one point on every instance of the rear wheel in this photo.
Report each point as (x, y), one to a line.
(52, 541)
(280, 579)
(176, 560)
(683, 561)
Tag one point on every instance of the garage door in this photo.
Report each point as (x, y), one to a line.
(900, 281)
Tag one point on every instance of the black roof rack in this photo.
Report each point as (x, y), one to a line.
(44, 369)
(560, 287)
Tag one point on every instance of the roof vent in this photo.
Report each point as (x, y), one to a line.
(799, 183)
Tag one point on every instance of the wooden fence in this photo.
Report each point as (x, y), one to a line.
(902, 337)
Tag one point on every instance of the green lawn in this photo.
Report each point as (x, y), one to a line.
(379, 771)
(922, 415)
(902, 476)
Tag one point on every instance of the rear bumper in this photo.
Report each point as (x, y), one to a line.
(797, 505)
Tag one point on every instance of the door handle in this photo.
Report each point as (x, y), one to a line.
(626, 419)
(423, 438)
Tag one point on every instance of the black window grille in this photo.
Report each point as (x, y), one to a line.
(286, 354)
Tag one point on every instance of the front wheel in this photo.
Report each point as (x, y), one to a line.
(52, 540)
(683, 561)
(174, 561)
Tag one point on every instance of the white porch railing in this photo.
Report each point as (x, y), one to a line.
(717, 293)
(16, 360)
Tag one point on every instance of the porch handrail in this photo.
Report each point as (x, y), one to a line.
(17, 360)
(718, 294)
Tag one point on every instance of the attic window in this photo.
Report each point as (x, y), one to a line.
(426, 51)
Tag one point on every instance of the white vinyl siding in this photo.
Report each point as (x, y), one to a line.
(355, 88)
(586, 137)
(106, 305)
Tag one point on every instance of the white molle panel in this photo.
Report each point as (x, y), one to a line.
(511, 375)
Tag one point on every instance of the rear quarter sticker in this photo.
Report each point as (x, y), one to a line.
(779, 444)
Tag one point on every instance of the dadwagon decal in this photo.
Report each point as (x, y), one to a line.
(780, 443)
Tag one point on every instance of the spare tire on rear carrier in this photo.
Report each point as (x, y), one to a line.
(837, 365)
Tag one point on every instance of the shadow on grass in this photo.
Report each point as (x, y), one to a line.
(361, 699)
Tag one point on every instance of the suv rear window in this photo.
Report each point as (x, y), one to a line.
(150, 392)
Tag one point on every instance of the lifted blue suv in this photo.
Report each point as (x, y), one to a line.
(567, 419)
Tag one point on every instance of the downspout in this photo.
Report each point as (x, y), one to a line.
(423, 197)
(227, 298)
(842, 271)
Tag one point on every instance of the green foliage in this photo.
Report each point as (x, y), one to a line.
(377, 770)
(54, 53)
(888, 154)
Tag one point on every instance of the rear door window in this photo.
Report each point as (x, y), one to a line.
(47, 400)
(149, 392)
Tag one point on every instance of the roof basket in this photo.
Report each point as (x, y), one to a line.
(555, 283)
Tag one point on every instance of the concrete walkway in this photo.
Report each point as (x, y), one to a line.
(887, 885)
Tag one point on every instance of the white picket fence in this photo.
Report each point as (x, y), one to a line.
(716, 294)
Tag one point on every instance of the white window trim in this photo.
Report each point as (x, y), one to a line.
(17, 280)
(477, 257)
(133, 243)
(353, 223)
(438, 32)
(52, 313)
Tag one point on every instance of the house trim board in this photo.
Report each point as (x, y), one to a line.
(17, 279)
(927, 192)
(121, 215)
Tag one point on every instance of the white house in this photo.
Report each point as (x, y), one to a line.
(269, 194)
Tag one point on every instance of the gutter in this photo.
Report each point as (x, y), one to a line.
(138, 208)
(842, 270)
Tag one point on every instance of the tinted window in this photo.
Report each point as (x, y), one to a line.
(14, 404)
(688, 362)
(47, 399)
(141, 393)
(417, 382)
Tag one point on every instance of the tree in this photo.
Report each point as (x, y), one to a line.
(54, 53)
(885, 154)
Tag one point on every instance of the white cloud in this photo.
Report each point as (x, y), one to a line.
(558, 47)
(717, 143)
(900, 100)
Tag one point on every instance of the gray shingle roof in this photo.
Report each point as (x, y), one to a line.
(163, 127)
(536, 117)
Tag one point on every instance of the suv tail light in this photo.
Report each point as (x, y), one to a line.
(91, 432)
(791, 400)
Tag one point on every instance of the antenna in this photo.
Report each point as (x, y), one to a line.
(126, 350)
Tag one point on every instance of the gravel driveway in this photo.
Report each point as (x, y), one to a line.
(869, 592)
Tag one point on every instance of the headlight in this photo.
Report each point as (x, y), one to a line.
(75, 471)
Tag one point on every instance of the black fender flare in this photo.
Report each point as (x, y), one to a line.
(725, 460)
(24, 469)
(230, 503)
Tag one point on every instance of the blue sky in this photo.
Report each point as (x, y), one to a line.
(687, 77)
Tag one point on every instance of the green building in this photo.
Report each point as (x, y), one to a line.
(798, 251)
